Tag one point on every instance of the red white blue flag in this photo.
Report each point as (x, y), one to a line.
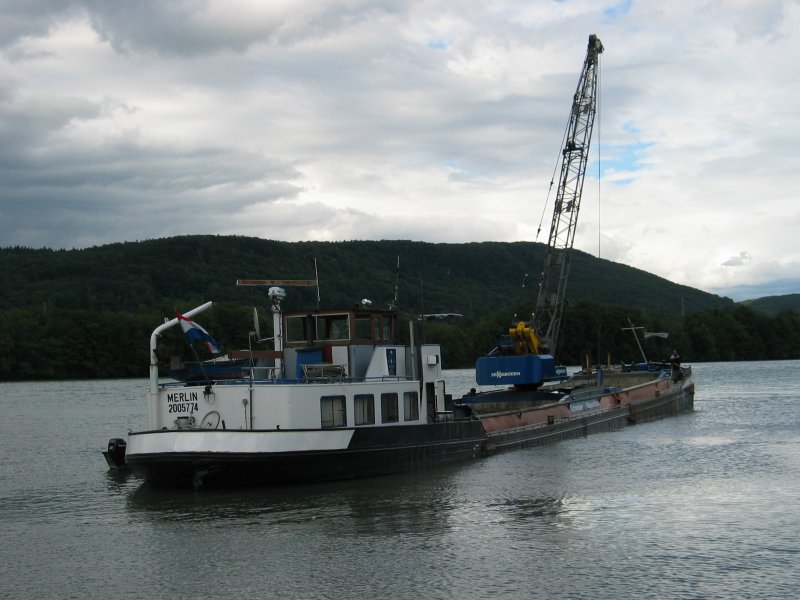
(195, 333)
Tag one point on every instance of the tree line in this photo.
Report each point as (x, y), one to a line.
(89, 313)
(603, 333)
(472, 279)
(41, 343)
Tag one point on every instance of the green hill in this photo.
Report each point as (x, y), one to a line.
(89, 313)
(473, 279)
(773, 305)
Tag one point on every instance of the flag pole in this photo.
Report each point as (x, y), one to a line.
(636, 337)
(316, 277)
(200, 362)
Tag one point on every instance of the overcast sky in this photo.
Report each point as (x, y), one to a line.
(431, 121)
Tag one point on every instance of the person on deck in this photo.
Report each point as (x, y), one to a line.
(675, 363)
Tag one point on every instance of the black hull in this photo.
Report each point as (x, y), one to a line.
(386, 450)
(372, 452)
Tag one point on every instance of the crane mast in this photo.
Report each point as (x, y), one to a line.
(553, 280)
(524, 356)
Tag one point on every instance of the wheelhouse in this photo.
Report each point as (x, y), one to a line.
(339, 327)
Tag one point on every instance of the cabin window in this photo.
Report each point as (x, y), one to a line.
(410, 406)
(376, 328)
(387, 330)
(365, 409)
(295, 330)
(362, 328)
(333, 327)
(334, 413)
(389, 408)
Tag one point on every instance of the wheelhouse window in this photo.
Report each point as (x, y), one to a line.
(411, 406)
(295, 329)
(387, 330)
(376, 328)
(362, 328)
(364, 409)
(333, 327)
(333, 411)
(308, 328)
(311, 328)
(389, 408)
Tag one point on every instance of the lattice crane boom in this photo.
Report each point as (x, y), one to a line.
(524, 357)
(555, 272)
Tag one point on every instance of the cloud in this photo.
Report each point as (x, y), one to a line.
(366, 119)
(190, 28)
(737, 261)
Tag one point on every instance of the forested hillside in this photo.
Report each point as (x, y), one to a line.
(89, 313)
(773, 305)
(473, 279)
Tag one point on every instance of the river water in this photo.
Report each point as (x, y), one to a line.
(702, 505)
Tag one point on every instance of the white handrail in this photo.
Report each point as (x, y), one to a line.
(154, 342)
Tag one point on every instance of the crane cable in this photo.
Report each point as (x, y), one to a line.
(599, 157)
(559, 158)
(599, 165)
